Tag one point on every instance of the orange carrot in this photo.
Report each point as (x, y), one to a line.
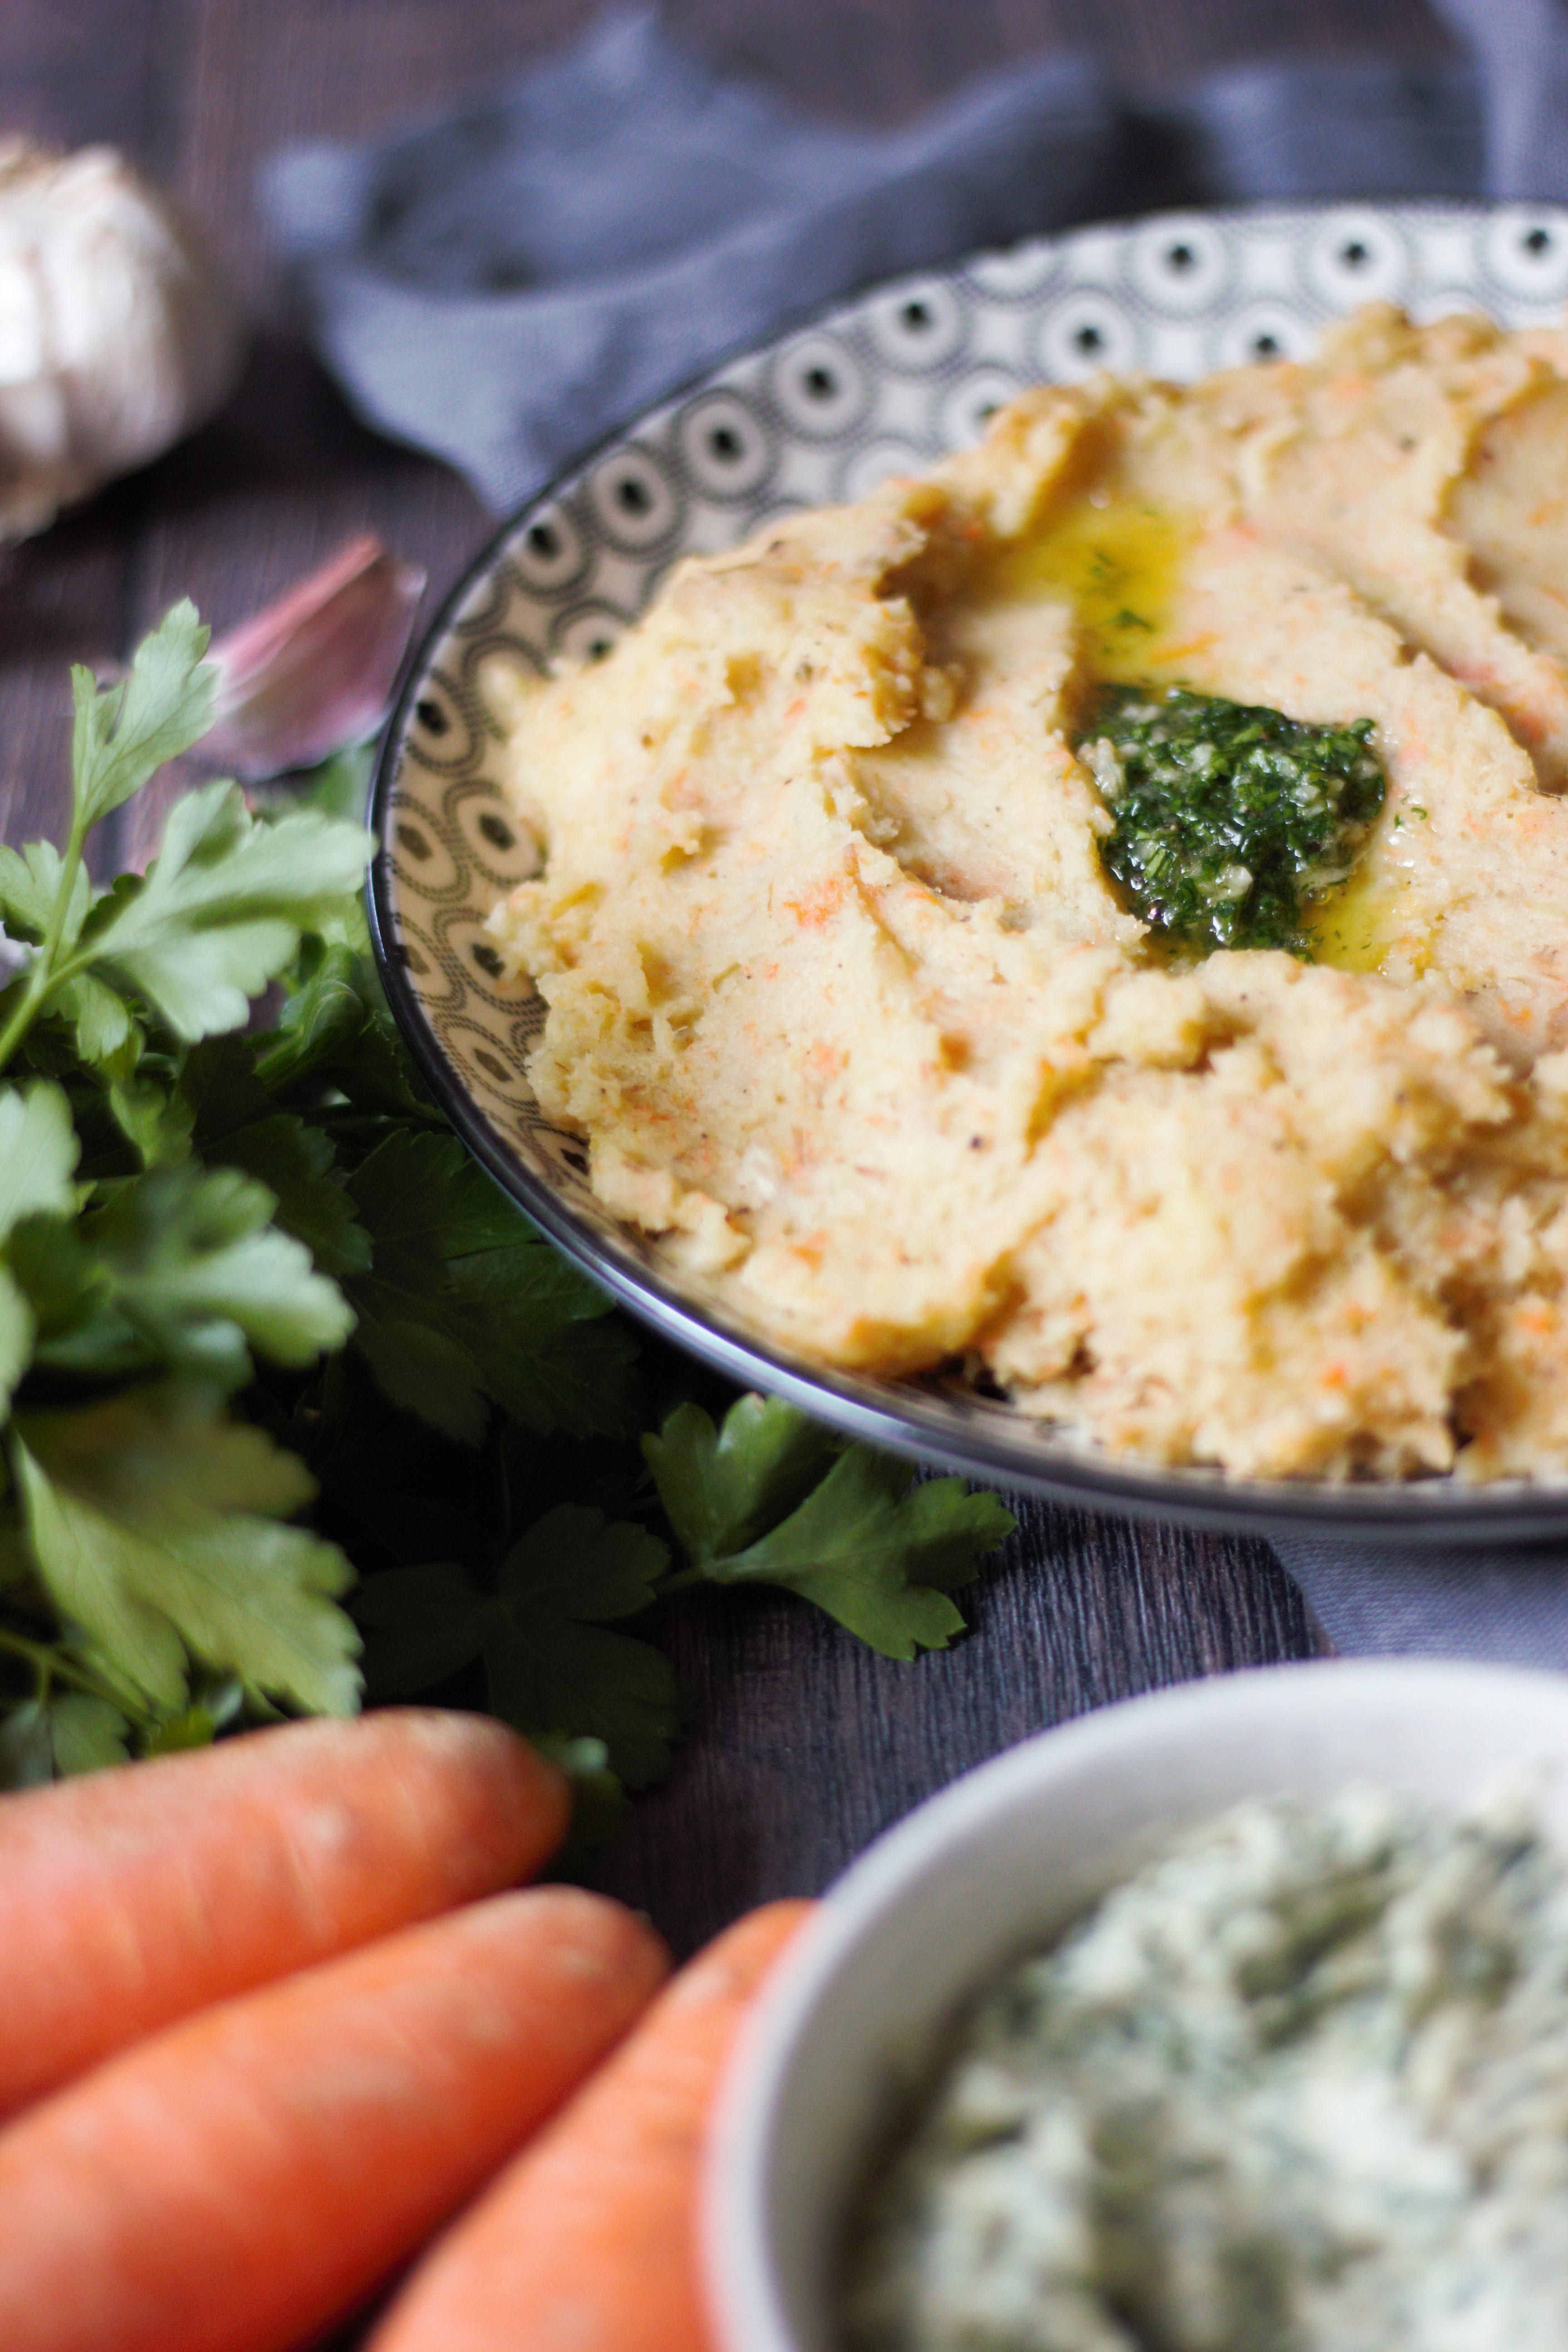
(246, 2175)
(131, 1897)
(587, 2242)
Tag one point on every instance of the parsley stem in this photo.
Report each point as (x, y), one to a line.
(51, 1665)
(42, 974)
(680, 1581)
(25, 1010)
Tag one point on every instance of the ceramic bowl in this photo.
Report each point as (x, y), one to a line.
(998, 1865)
(884, 385)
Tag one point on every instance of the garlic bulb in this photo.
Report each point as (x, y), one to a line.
(115, 336)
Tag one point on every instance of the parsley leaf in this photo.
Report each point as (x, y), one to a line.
(297, 1164)
(26, 1751)
(881, 1551)
(153, 1114)
(73, 1733)
(220, 910)
(722, 1488)
(878, 1550)
(465, 1305)
(422, 1623)
(106, 1032)
(31, 881)
(87, 1734)
(183, 1268)
(38, 1155)
(553, 1664)
(123, 735)
(219, 914)
(17, 1328)
(326, 1013)
(156, 1526)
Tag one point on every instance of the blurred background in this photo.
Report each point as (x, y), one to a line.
(201, 92)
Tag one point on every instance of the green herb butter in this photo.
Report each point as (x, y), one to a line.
(1302, 2086)
(1228, 821)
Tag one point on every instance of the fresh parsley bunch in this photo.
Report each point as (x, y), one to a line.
(286, 1382)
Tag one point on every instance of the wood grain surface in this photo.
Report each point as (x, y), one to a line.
(803, 1745)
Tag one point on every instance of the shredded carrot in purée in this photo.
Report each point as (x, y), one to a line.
(814, 907)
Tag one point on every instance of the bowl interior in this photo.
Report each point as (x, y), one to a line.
(999, 1865)
(885, 385)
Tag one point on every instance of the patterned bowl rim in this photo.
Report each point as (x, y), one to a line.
(970, 1435)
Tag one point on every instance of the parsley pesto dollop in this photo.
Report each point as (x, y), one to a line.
(1228, 820)
(1301, 2086)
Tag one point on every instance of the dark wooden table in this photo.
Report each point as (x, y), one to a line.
(803, 1744)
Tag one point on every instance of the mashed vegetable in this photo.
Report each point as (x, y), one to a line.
(868, 1021)
(1302, 2086)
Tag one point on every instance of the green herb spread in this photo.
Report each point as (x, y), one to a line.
(1228, 820)
(1299, 2086)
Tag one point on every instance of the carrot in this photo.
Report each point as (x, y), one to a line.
(587, 2242)
(131, 1897)
(246, 2175)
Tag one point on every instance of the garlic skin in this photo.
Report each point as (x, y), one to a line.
(313, 671)
(116, 338)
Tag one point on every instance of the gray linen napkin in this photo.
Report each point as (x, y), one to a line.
(1507, 1604)
(504, 286)
(1520, 48)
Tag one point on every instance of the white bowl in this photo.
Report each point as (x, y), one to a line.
(1000, 1863)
